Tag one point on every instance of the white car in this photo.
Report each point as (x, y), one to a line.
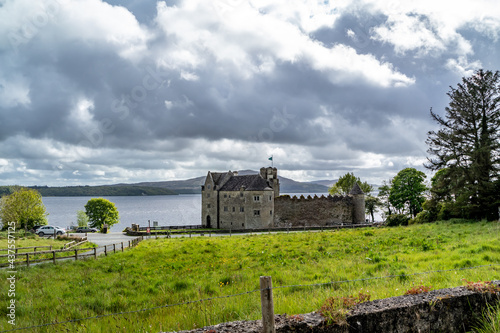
(49, 230)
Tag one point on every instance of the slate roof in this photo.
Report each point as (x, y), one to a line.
(251, 183)
(217, 176)
(356, 189)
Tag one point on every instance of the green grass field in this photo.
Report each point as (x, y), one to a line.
(177, 270)
(31, 240)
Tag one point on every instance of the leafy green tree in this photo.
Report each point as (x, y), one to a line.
(407, 191)
(371, 204)
(467, 145)
(345, 183)
(383, 195)
(101, 211)
(24, 207)
(82, 219)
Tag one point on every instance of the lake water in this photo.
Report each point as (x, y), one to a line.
(166, 209)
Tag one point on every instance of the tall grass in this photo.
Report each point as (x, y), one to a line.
(490, 321)
(177, 270)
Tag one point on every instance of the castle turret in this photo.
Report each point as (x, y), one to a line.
(358, 196)
(271, 174)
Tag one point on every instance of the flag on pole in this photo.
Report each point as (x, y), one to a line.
(270, 158)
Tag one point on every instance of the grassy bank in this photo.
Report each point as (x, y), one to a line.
(23, 239)
(170, 271)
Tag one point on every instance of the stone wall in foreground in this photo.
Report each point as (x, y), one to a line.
(444, 310)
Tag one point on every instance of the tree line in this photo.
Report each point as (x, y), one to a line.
(25, 207)
(464, 153)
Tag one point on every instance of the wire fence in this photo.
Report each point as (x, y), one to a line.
(29, 258)
(248, 292)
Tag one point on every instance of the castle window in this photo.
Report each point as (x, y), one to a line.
(208, 186)
(225, 208)
(241, 194)
(256, 213)
(270, 198)
(270, 212)
(234, 209)
(230, 195)
(208, 195)
(256, 198)
(208, 205)
(242, 209)
(225, 195)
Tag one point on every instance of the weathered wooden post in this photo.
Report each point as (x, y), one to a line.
(27, 259)
(114, 248)
(54, 257)
(95, 252)
(76, 254)
(105, 250)
(129, 244)
(266, 299)
(122, 246)
(51, 247)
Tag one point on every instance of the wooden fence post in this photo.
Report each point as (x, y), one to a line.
(95, 252)
(266, 299)
(129, 244)
(105, 250)
(122, 246)
(27, 259)
(54, 257)
(51, 247)
(76, 254)
(114, 248)
(34, 250)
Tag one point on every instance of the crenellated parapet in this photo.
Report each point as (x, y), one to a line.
(320, 210)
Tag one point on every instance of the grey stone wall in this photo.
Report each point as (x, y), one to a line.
(246, 209)
(445, 310)
(313, 211)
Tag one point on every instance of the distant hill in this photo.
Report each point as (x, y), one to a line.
(193, 185)
(327, 183)
(105, 190)
(172, 187)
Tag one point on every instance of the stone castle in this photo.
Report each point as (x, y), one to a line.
(232, 201)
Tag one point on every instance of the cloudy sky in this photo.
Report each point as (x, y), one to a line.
(102, 92)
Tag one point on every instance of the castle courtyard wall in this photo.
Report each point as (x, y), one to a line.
(312, 211)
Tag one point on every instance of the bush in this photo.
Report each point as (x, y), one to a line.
(397, 219)
(423, 217)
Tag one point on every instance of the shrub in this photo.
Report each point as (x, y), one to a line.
(335, 309)
(423, 217)
(397, 219)
(418, 290)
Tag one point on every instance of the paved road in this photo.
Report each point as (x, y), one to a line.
(109, 238)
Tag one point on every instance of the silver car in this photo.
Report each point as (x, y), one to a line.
(49, 230)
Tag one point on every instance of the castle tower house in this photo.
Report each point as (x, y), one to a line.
(358, 196)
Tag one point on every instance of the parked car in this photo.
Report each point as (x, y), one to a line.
(49, 230)
(35, 228)
(86, 229)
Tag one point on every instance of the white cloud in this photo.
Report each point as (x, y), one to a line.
(251, 30)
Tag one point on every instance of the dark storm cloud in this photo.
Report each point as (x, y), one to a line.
(147, 90)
